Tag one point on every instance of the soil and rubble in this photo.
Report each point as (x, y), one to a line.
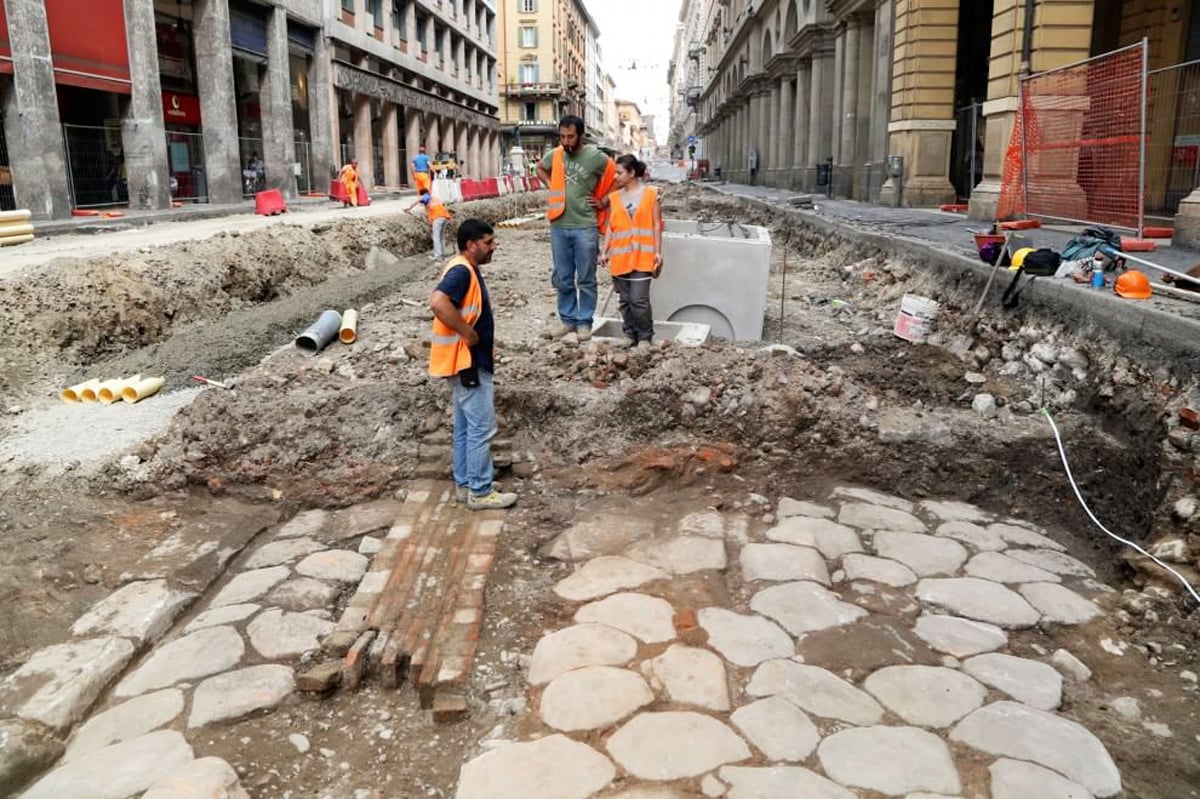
(830, 397)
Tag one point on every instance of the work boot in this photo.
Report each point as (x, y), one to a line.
(643, 346)
(461, 494)
(583, 333)
(625, 343)
(559, 330)
(494, 501)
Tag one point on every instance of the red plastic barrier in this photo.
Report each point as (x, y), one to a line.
(491, 186)
(269, 203)
(470, 189)
(363, 199)
(1138, 245)
(508, 182)
(337, 191)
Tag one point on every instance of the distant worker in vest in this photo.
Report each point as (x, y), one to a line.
(461, 351)
(349, 178)
(422, 170)
(438, 215)
(633, 249)
(580, 177)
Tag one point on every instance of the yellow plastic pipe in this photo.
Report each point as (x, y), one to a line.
(5, 241)
(22, 215)
(136, 392)
(349, 331)
(75, 392)
(110, 390)
(8, 229)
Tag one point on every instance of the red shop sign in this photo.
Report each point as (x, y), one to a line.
(181, 109)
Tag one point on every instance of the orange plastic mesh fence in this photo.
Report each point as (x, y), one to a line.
(1078, 143)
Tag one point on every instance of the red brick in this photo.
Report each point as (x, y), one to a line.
(354, 665)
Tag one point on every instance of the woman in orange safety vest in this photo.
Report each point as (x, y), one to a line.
(633, 249)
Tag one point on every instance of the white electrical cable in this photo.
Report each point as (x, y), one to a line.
(1070, 477)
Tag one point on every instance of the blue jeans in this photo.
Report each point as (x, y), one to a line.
(439, 237)
(474, 429)
(575, 251)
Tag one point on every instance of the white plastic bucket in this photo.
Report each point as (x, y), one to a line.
(915, 320)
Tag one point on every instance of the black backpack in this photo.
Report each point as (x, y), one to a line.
(1039, 263)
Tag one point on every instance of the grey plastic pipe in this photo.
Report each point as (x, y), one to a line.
(320, 333)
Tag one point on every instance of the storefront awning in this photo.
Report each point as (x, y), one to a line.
(5, 49)
(87, 44)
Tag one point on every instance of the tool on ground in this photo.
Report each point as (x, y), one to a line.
(215, 383)
(1113, 252)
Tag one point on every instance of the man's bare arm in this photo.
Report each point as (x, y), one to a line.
(443, 308)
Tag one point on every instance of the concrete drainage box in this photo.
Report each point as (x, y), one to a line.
(686, 334)
(715, 274)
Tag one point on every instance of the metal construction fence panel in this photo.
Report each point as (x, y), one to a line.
(254, 167)
(304, 180)
(1173, 146)
(95, 166)
(8, 200)
(185, 162)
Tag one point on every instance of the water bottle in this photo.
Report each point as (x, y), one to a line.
(1098, 271)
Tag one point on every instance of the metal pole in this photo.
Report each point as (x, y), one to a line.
(974, 138)
(1145, 134)
(70, 171)
(1024, 120)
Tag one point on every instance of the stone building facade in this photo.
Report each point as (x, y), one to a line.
(687, 72)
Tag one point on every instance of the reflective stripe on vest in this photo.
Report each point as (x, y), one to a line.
(448, 353)
(631, 242)
(558, 188)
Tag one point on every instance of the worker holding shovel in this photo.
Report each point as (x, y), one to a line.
(438, 215)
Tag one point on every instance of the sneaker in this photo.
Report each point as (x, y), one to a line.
(583, 333)
(626, 343)
(461, 494)
(643, 346)
(493, 501)
(559, 330)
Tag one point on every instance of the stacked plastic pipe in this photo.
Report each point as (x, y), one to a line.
(105, 392)
(15, 227)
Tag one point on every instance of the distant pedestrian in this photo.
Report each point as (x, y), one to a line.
(752, 162)
(633, 249)
(422, 170)
(580, 177)
(438, 215)
(349, 178)
(461, 351)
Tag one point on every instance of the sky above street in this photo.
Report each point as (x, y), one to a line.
(636, 39)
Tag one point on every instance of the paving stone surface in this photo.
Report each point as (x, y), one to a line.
(954, 511)
(692, 676)
(27, 749)
(780, 782)
(196, 655)
(303, 593)
(981, 600)
(1024, 537)
(674, 745)
(581, 645)
(115, 772)
(226, 614)
(959, 637)
(647, 618)
(803, 607)
(306, 523)
(926, 696)
(206, 778)
(745, 640)
(649, 792)
(1016, 779)
(815, 690)
(682, 554)
(891, 760)
(249, 586)
(606, 575)
(789, 507)
(340, 565)
(235, 694)
(865, 516)
(59, 683)
(554, 767)
(926, 555)
(1051, 561)
(285, 551)
(277, 634)
(363, 518)
(780, 562)
(141, 610)
(706, 523)
(973, 535)
(778, 729)
(1059, 603)
(1014, 730)
(1036, 684)
(1001, 568)
(606, 535)
(127, 720)
(831, 539)
(873, 497)
(877, 570)
(592, 698)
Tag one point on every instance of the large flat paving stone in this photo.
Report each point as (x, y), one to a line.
(340, 565)
(779, 729)
(1052, 561)
(601, 535)
(674, 745)
(285, 551)
(226, 614)
(1036, 684)
(867, 645)
(954, 511)
(580, 645)
(1001, 568)
(707, 523)
(1022, 536)
(780, 782)
(959, 637)
(877, 570)
(693, 676)
(892, 760)
(127, 720)
(1059, 603)
(606, 575)
(789, 507)
(979, 538)
(647, 618)
(235, 694)
(305, 523)
(831, 539)
(303, 593)
(745, 640)
(981, 600)
(115, 772)
(1011, 729)
(1016, 779)
(27, 749)
(554, 767)
(925, 554)
(249, 586)
(680, 554)
(865, 516)
(873, 497)
(926, 696)
(814, 690)
(196, 655)
(593, 698)
(781, 562)
(206, 778)
(142, 611)
(803, 607)
(59, 683)
(276, 634)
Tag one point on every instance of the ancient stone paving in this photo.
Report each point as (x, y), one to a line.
(865, 652)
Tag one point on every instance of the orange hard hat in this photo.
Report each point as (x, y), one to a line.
(1133, 285)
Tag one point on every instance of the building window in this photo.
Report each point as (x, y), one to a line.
(529, 73)
(529, 112)
(527, 6)
(375, 9)
(528, 36)
(400, 20)
(348, 5)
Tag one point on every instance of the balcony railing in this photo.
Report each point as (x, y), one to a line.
(528, 89)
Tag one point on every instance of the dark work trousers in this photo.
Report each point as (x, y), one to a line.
(636, 316)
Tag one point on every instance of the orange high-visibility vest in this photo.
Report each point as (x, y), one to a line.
(435, 210)
(631, 246)
(448, 352)
(558, 188)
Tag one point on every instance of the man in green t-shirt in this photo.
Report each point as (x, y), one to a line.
(574, 171)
